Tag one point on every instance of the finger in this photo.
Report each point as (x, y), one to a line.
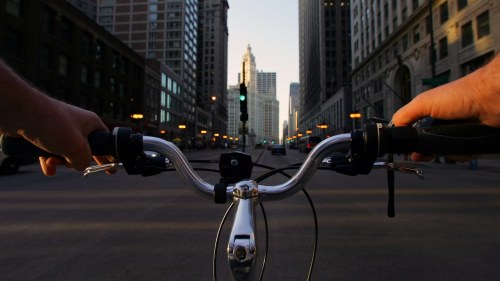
(47, 166)
(413, 111)
(418, 157)
(106, 160)
(79, 156)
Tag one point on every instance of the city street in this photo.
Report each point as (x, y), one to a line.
(119, 227)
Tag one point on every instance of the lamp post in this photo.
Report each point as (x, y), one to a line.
(323, 126)
(136, 117)
(354, 116)
(213, 99)
(183, 127)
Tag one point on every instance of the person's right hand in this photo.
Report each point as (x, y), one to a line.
(475, 97)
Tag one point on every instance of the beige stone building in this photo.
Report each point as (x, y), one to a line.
(392, 42)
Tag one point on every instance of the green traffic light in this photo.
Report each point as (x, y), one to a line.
(242, 98)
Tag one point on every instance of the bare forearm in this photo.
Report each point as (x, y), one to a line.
(19, 101)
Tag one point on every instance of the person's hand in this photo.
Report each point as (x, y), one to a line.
(63, 129)
(52, 125)
(475, 97)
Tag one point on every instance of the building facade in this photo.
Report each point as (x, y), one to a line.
(71, 58)
(263, 108)
(293, 111)
(325, 64)
(248, 76)
(162, 30)
(88, 7)
(393, 41)
(266, 88)
(233, 107)
(212, 64)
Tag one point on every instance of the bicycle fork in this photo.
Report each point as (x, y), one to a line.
(242, 246)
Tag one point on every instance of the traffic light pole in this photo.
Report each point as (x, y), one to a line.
(243, 108)
(244, 137)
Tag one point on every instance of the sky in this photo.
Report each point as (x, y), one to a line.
(272, 30)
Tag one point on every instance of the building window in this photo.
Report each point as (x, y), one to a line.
(404, 41)
(483, 25)
(45, 57)
(163, 80)
(163, 98)
(428, 23)
(13, 7)
(414, 4)
(86, 44)
(13, 43)
(162, 116)
(443, 47)
(443, 12)
(84, 74)
(467, 34)
(416, 34)
(97, 79)
(461, 4)
(48, 19)
(63, 68)
(105, 19)
(66, 30)
(395, 50)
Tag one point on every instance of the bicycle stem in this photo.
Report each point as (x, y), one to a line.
(242, 245)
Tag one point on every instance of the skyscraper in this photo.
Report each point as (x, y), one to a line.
(263, 108)
(212, 61)
(163, 30)
(325, 64)
(293, 108)
(266, 88)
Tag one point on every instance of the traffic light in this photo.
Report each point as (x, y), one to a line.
(243, 103)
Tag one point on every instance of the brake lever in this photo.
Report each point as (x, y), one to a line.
(398, 167)
(100, 168)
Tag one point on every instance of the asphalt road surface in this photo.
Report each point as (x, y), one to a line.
(120, 227)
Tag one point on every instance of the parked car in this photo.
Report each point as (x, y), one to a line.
(278, 149)
(308, 142)
(10, 165)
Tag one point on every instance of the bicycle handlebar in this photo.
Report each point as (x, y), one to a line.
(364, 145)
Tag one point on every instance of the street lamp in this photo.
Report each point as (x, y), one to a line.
(354, 116)
(183, 127)
(213, 99)
(323, 127)
(137, 117)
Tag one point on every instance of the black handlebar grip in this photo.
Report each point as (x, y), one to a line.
(20, 147)
(459, 139)
(101, 143)
(445, 139)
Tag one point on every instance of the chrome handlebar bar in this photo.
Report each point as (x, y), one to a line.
(336, 143)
